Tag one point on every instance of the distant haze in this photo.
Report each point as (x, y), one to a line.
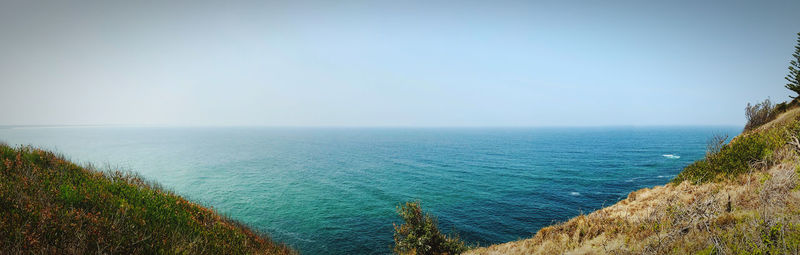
(391, 63)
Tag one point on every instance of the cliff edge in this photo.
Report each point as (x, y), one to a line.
(742, 198)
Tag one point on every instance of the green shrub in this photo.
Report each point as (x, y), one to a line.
(420, 234)
(738, 156)
(784, 106)
(781, 108)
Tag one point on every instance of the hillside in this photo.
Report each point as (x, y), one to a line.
(49, 205)
(743, 198)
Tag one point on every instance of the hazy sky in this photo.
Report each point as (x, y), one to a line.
(391, 63)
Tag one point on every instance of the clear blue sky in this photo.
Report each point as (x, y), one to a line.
(391, 63)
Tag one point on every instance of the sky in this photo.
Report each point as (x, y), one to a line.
(391, 63)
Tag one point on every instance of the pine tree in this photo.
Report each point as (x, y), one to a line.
(794, 70)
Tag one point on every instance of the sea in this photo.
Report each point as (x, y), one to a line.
(336, 190)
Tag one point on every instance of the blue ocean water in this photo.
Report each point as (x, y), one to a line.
(334, 190)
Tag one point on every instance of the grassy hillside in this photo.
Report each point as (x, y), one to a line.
(49, 205)
(742, 198)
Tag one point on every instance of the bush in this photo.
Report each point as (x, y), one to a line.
(738, 156)
(420, 234)
(784, 107)
(759, 114)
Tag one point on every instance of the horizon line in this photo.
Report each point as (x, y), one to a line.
(356, 126)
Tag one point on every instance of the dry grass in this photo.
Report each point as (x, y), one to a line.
(757, 212)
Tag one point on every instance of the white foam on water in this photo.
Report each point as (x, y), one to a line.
(575, 193)
(634, 179)
(671, 156)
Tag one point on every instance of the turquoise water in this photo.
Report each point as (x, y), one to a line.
(334, 190)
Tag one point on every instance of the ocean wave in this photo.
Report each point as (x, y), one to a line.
(671, 156)
(635, 178)
(575, 193)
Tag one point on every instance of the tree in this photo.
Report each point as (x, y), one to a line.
(794, 70)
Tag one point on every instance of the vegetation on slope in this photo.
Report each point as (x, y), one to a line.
(49, 205)
(746, 152)
(769, 127)
(420, 233)
(752, 214)
(742, 198)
